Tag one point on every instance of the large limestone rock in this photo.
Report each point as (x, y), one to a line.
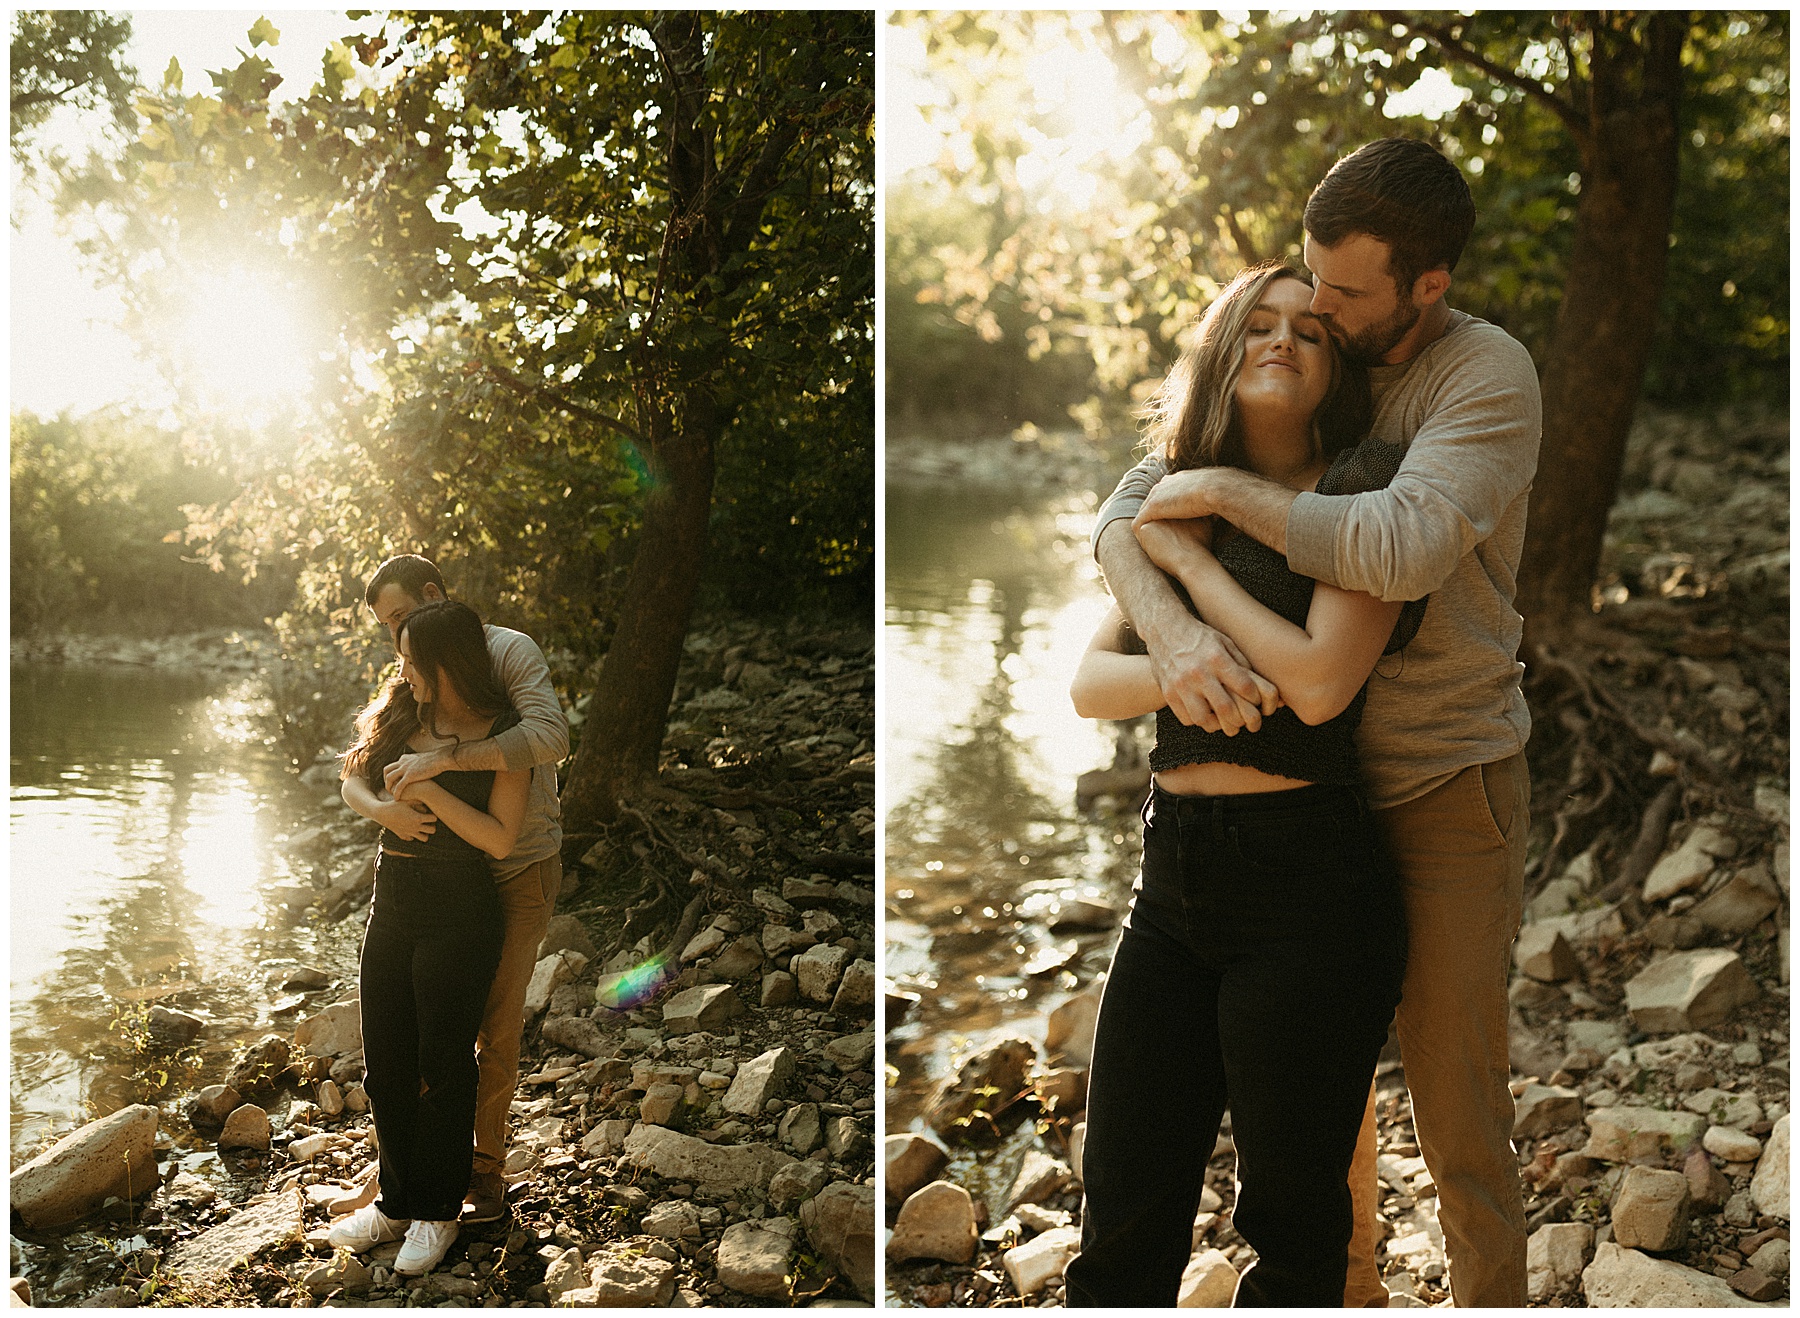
(1625, 1279)
(1769, 1187)
(705, 1007)
(741, 959)
(753, 1257)
(1650, 1210)
(913, 1161)
(759, 1080)
(718, 1168)
(260, 1064)
(819, 969)
(1689, 990)
(935, 1222)
(1040, 1261)
(115, 1155)
(1208, 1282)
(840, 1223)
(1688, 866)
(1544, 953)
(1555, 1256)
(851, 1052)
(576, 1033)
(550, 974)
(624, 1279)
(1544, 1108)
(246, 1128)
(985, 1082)
(263, 1224)
(1622, 1134)
(1739, 1111)
(333, 1032)
(856, 991)
(213, 1104)
(1731, 1144)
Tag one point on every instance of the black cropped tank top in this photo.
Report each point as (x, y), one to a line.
(472, 786)
(1321, 753)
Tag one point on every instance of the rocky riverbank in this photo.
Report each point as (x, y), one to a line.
(1065, 459)
(1650, 1014)
(224, 651)
(694, 1120)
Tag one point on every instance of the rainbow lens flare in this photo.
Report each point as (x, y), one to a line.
(634, 987)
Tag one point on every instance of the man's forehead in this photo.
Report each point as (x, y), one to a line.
(1358, 259)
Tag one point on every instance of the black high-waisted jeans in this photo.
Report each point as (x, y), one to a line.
(428, 959)
(1258, 971)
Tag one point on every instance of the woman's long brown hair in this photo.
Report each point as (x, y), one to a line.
(1193, 419)
(447, 644)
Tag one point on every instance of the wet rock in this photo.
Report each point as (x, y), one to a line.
(566, 933)
(985, 1082)
(212, 1105)
(851, 1052)
(856, 991)
(741, 959)
(113, 1297)
(189, 1188)
(1741, 903)
(114, 1156)
(262, 1224)
(1040, 1176)
(334, 1032)
(704, 1008)
(1622, 1133)
(1688, 866)
(753, 1257)
(779, 989)
(1740, 1111)
(1070, 1029)
(306, 979)
(172, 1028)
(717, 1168)
(936, 1221)
(796, 1183)
(800, 1129)
(260, 1064)
(1541, 1109)
(1689, 990)
(1650, 1210)
(1544, 954)
(1769, 1187)
(759, 1080)
(576, 1033)
(1208, 1282)
(912, 1161)
(246, 1128)
(1083, 913)
(1555, 1255)
(840, 1223)
(1040, 1261)
(818, 970)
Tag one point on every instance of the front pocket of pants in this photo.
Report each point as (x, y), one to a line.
(1292, 845)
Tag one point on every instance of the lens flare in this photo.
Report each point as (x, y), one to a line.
(634, 987)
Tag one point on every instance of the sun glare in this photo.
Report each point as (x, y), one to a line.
(246, 340)
(1084, 118)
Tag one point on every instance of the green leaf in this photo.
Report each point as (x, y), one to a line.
(172, 76)
(264, 33)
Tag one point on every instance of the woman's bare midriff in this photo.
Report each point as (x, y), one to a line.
(1222, 780)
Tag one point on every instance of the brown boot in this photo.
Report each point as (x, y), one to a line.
(486, 1199)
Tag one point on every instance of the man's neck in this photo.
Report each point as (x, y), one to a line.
(1430, 327)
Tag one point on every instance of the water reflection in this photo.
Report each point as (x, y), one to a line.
(991, 598)
(143, 846)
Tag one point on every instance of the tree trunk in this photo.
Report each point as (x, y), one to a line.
(630, 706)
(1597, 356)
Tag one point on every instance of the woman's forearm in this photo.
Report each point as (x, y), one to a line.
(479, 828)
(1109, 685)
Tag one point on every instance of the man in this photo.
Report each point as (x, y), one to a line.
(528, 879)
(1444, 730)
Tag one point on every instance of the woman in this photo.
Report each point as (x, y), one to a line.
(1262, 958)
(434, 933)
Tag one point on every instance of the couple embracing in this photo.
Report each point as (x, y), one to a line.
(456, 759)
(1335, 838)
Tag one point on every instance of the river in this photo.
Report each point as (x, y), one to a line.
(991, 597)
(159, 855)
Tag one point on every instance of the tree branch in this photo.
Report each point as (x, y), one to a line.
(531, 389)
(1443, 39)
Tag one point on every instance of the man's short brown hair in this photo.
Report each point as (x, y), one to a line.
(1401, 192)
(411, 572)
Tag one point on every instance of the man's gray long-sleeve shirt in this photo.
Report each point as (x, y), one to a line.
(1451, 525)
(538, 742)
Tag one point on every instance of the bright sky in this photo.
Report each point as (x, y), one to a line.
(67, 349)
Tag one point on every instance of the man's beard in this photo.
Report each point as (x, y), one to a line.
(1368, 347)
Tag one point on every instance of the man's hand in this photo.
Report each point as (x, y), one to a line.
(412, 823)
(1180, 494)
(1208, 682)
(414, 767)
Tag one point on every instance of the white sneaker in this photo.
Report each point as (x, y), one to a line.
(366, 1228)
(425, 1247)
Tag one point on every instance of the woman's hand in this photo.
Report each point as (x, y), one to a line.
(408, 821)
(1174, 546)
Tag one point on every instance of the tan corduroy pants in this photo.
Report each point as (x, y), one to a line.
(527, 898)
(1460, 849)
